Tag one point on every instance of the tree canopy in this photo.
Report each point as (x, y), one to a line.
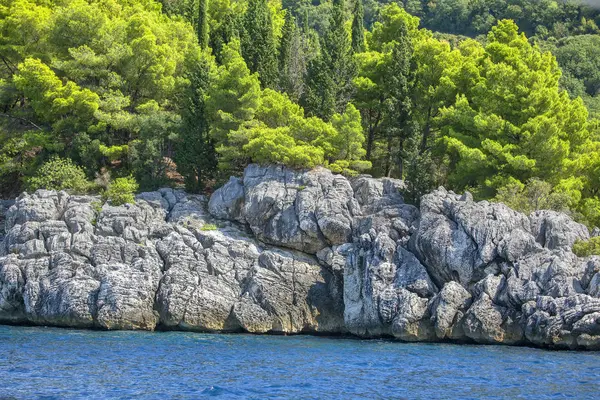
(497, 97)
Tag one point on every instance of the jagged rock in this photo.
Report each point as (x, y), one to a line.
(448, 309)
(282, 251)
(565, 322)
(380, 275)
(375, 194)
(4, 206)
(556, 231)
(304, 211)
(67, 261)
(227, 202)
(458, 238)
(45, 205)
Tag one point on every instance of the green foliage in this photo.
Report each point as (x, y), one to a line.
(96, 206)
(209, 227)
(202, 24)
(348, 151)
(258, 42)
(280, 133)
(59, 174)
(232, 99)
(329, 81)
(292, 58)
(586, 248)
(545, 18)
(535, 195)
(358, 29)
(510, 121)
(139, 88)
(195, 154)
(88, 81)
(121, 191)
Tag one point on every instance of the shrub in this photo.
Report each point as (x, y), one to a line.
(532, 196)
(59, 174)
(209, 227)
(96, 206)
(121, 191)
(586, 248)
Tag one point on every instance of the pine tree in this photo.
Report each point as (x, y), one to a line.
(224, 33)
(398, 83)
(232, 100)
(195, 151)
(285, 46)
(202, 26)
(358, 29)
(319, 97)
(258, 42)
(336, 67)
(292, 59)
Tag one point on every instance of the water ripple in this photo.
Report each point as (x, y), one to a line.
(48, 363)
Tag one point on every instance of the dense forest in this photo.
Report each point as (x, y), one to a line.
(500, 98)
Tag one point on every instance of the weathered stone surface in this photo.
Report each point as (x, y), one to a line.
(458, 238)
(4, 206)
(67, 262)
(448, 309)
(303, 211)
(282, 251)
(228, 201)
(555, 230)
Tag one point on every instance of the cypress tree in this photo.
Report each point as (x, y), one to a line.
(358, 29)
(336, 67)
(258, 43)
(319, 97)
(292, 59)
(226, 31)
(285, 43)
(399, 103)
(195, 154)
(202, 26)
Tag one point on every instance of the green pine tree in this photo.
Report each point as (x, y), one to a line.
(358, 29)
(285, 46)
(223, 33)
(202, 26)
(195, 152)
(399, 104)
(318, 98)
(258, 42)
(335, 66)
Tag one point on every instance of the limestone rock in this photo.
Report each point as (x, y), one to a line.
(458, 238)
(305, 211)
(555, 230)
(284, 251)
(66, 261)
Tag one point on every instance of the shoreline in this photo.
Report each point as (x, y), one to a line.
(270, 253)
(332, 336)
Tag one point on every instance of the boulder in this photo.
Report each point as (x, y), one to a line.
(556, 231)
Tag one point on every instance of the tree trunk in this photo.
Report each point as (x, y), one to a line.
(370, 140)
(426, 132)
(400, 160)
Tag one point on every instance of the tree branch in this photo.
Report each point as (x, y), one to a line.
(21, 119)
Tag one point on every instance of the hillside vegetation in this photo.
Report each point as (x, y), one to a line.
(495, 97)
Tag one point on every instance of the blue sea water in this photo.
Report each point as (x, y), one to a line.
(50, 363)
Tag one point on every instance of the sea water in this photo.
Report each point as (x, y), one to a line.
(49, 363)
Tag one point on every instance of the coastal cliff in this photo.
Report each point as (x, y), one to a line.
(282, 251)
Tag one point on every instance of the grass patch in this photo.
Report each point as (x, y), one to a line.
(209, 227)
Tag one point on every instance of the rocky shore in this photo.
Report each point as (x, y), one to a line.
(281, 251)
